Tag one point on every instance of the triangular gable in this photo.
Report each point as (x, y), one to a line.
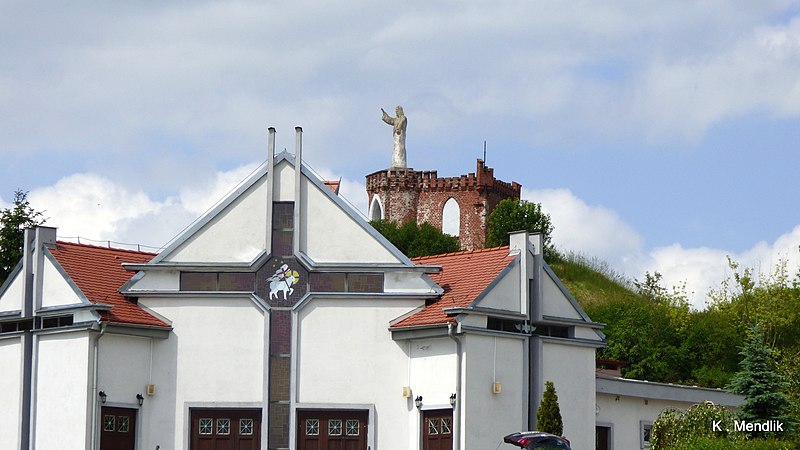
(11, 291)
(559, 301)
(235, 230)
(503, 292)
(58, 289)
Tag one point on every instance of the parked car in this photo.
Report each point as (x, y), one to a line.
(538, 440)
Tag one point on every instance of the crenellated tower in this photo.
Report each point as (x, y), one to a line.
(457, 205)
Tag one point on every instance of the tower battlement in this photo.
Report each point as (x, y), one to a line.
(403, 194)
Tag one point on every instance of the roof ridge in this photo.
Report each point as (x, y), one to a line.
(100, 247)
(462, 252)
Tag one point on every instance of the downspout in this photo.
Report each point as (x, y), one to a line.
(95, 375)
(453, 334)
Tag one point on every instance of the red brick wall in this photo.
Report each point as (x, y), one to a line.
(410, 194)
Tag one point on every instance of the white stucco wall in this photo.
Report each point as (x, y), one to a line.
(555, 303)
(10, 391)
(61, 391)
(123, 367)
(283, 182)
(571, 369)
(491, 416)
(159, 280)
(11, 299)
(329, 234)
(346, 355)
(236, 234)
(214, 356)
(505, 294)
(627, 413)
(56, 290)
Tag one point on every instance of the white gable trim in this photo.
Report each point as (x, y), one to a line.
(571, 299)
(84, 300)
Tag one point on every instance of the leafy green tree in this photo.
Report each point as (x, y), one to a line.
(675, 427)
(516, 215)
(548, 416)
(13, 222)
(417, 240)
(760, 383)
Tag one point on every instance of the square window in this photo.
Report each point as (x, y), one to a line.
(445, 429)
(645, 431)
(246, 427)
(123, 424)
(223, 426)
(206, 426)
(312, 427)
(352, 427)
(109, 423)
(335, 427)
(433, 426)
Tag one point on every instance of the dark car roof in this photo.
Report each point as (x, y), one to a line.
(535, 437)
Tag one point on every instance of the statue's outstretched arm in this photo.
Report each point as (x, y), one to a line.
(387, 118)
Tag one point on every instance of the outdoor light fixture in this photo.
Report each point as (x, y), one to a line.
(453, 400)
(140, 399)
(102, 395)
(418, 401)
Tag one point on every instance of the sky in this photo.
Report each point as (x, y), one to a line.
(659, 136)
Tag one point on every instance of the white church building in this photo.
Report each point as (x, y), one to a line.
(282, 320)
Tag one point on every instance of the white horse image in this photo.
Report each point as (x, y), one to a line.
(283, 280)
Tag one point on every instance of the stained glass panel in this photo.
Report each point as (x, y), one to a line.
(433, 426)
(445, 425)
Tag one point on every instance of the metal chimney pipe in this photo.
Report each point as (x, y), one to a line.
(298, 165)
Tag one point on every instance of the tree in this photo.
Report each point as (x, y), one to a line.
(760, 383)
(516, 215)
(548, 416)
(417, 240)
(13, 222)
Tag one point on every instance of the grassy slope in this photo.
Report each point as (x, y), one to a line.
(591, 282)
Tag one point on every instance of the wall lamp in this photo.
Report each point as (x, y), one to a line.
(418, 401)
(453, 399)
(140, 399)
(102, 395)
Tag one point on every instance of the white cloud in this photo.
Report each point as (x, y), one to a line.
(596, 231)
(587, 229)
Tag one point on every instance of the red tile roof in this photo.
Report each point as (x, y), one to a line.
(333, 185)
(463, 277)
(98, 273)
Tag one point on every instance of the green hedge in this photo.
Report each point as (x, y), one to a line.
(709, 443)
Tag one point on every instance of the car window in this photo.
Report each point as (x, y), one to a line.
(550, 444)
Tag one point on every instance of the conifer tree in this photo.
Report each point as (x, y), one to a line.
(548, 416)
(760, 383)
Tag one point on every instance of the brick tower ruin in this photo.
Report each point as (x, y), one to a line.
(402, 194)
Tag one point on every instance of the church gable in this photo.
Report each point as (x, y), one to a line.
(11, 292)
(58, 288)
(503, 292)
(233, 232)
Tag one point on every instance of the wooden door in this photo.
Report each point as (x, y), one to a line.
(437, 429)
(225, 429)
(332, 429)
(601, 437)
(117, 428)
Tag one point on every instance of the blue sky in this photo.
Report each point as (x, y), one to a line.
(659, 135)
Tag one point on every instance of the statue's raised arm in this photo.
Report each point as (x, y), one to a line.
(399, 124)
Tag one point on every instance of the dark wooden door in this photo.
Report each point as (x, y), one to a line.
(437, 429)
(332, 430)
(117, 428)
(601, 436)
(226, 429)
